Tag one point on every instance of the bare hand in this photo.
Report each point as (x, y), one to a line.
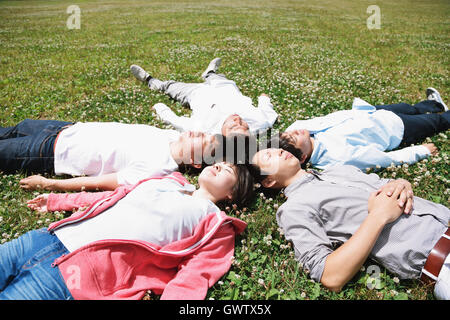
(406, 196)
(431, 147)
(39, 203)
(33, 182)
(385, 206)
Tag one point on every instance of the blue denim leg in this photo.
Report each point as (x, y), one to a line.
(29, 146)
(26, 271)
(29, 127)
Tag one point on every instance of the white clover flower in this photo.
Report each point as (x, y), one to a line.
(261, 282)
(396, 280)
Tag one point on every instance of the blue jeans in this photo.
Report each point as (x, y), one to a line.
(26, 271)
(28, 146)
(421, 120)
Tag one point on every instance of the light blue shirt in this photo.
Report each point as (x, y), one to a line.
(362, 137)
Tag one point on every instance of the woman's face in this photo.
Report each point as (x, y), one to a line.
(219, 179)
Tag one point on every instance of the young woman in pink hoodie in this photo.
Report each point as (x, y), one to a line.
(161, 234)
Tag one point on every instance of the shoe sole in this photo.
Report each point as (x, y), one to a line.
(216, 62)
(137, 73)
(432, 90)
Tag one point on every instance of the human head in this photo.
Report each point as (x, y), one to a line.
(226, 182)
(274, 167)
(298, 142)
(236, 148)
(235, 124)
(193, 148)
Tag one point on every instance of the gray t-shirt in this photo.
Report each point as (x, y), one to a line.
(325, 209)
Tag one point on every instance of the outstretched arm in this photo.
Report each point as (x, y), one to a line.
(104, 182)
(371, 157)
(65, 201)
(266, 106)
(169, 117)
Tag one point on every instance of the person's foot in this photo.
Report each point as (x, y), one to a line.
(433, 94)
(212, 67)
(140, 73)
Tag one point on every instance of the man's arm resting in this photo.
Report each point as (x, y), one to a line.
(342, 264)
(104, 182)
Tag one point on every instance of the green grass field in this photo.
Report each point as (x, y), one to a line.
(310, 57)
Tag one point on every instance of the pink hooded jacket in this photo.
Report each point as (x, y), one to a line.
(126, 269)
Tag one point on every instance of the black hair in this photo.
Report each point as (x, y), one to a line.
(243, 190)
(236, 149)
(285, 142)
(207, 160)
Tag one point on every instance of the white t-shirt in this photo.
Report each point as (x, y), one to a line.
(156, 211)
(133, 151)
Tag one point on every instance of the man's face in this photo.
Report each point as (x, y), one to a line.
(278, 164)
(235, 124)
(195, 146)
(300, 139)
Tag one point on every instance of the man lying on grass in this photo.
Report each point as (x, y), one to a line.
(161, 234)
(365, 135)
(339, 217)
(218, 106)
(105, 154)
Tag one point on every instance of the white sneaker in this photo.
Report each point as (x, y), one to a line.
(213, 66)
(433, 94)
(139, 73)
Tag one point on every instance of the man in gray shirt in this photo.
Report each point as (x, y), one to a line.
(339, 217)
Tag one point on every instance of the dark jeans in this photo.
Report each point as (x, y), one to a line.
(421, 120)
(28, 146)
